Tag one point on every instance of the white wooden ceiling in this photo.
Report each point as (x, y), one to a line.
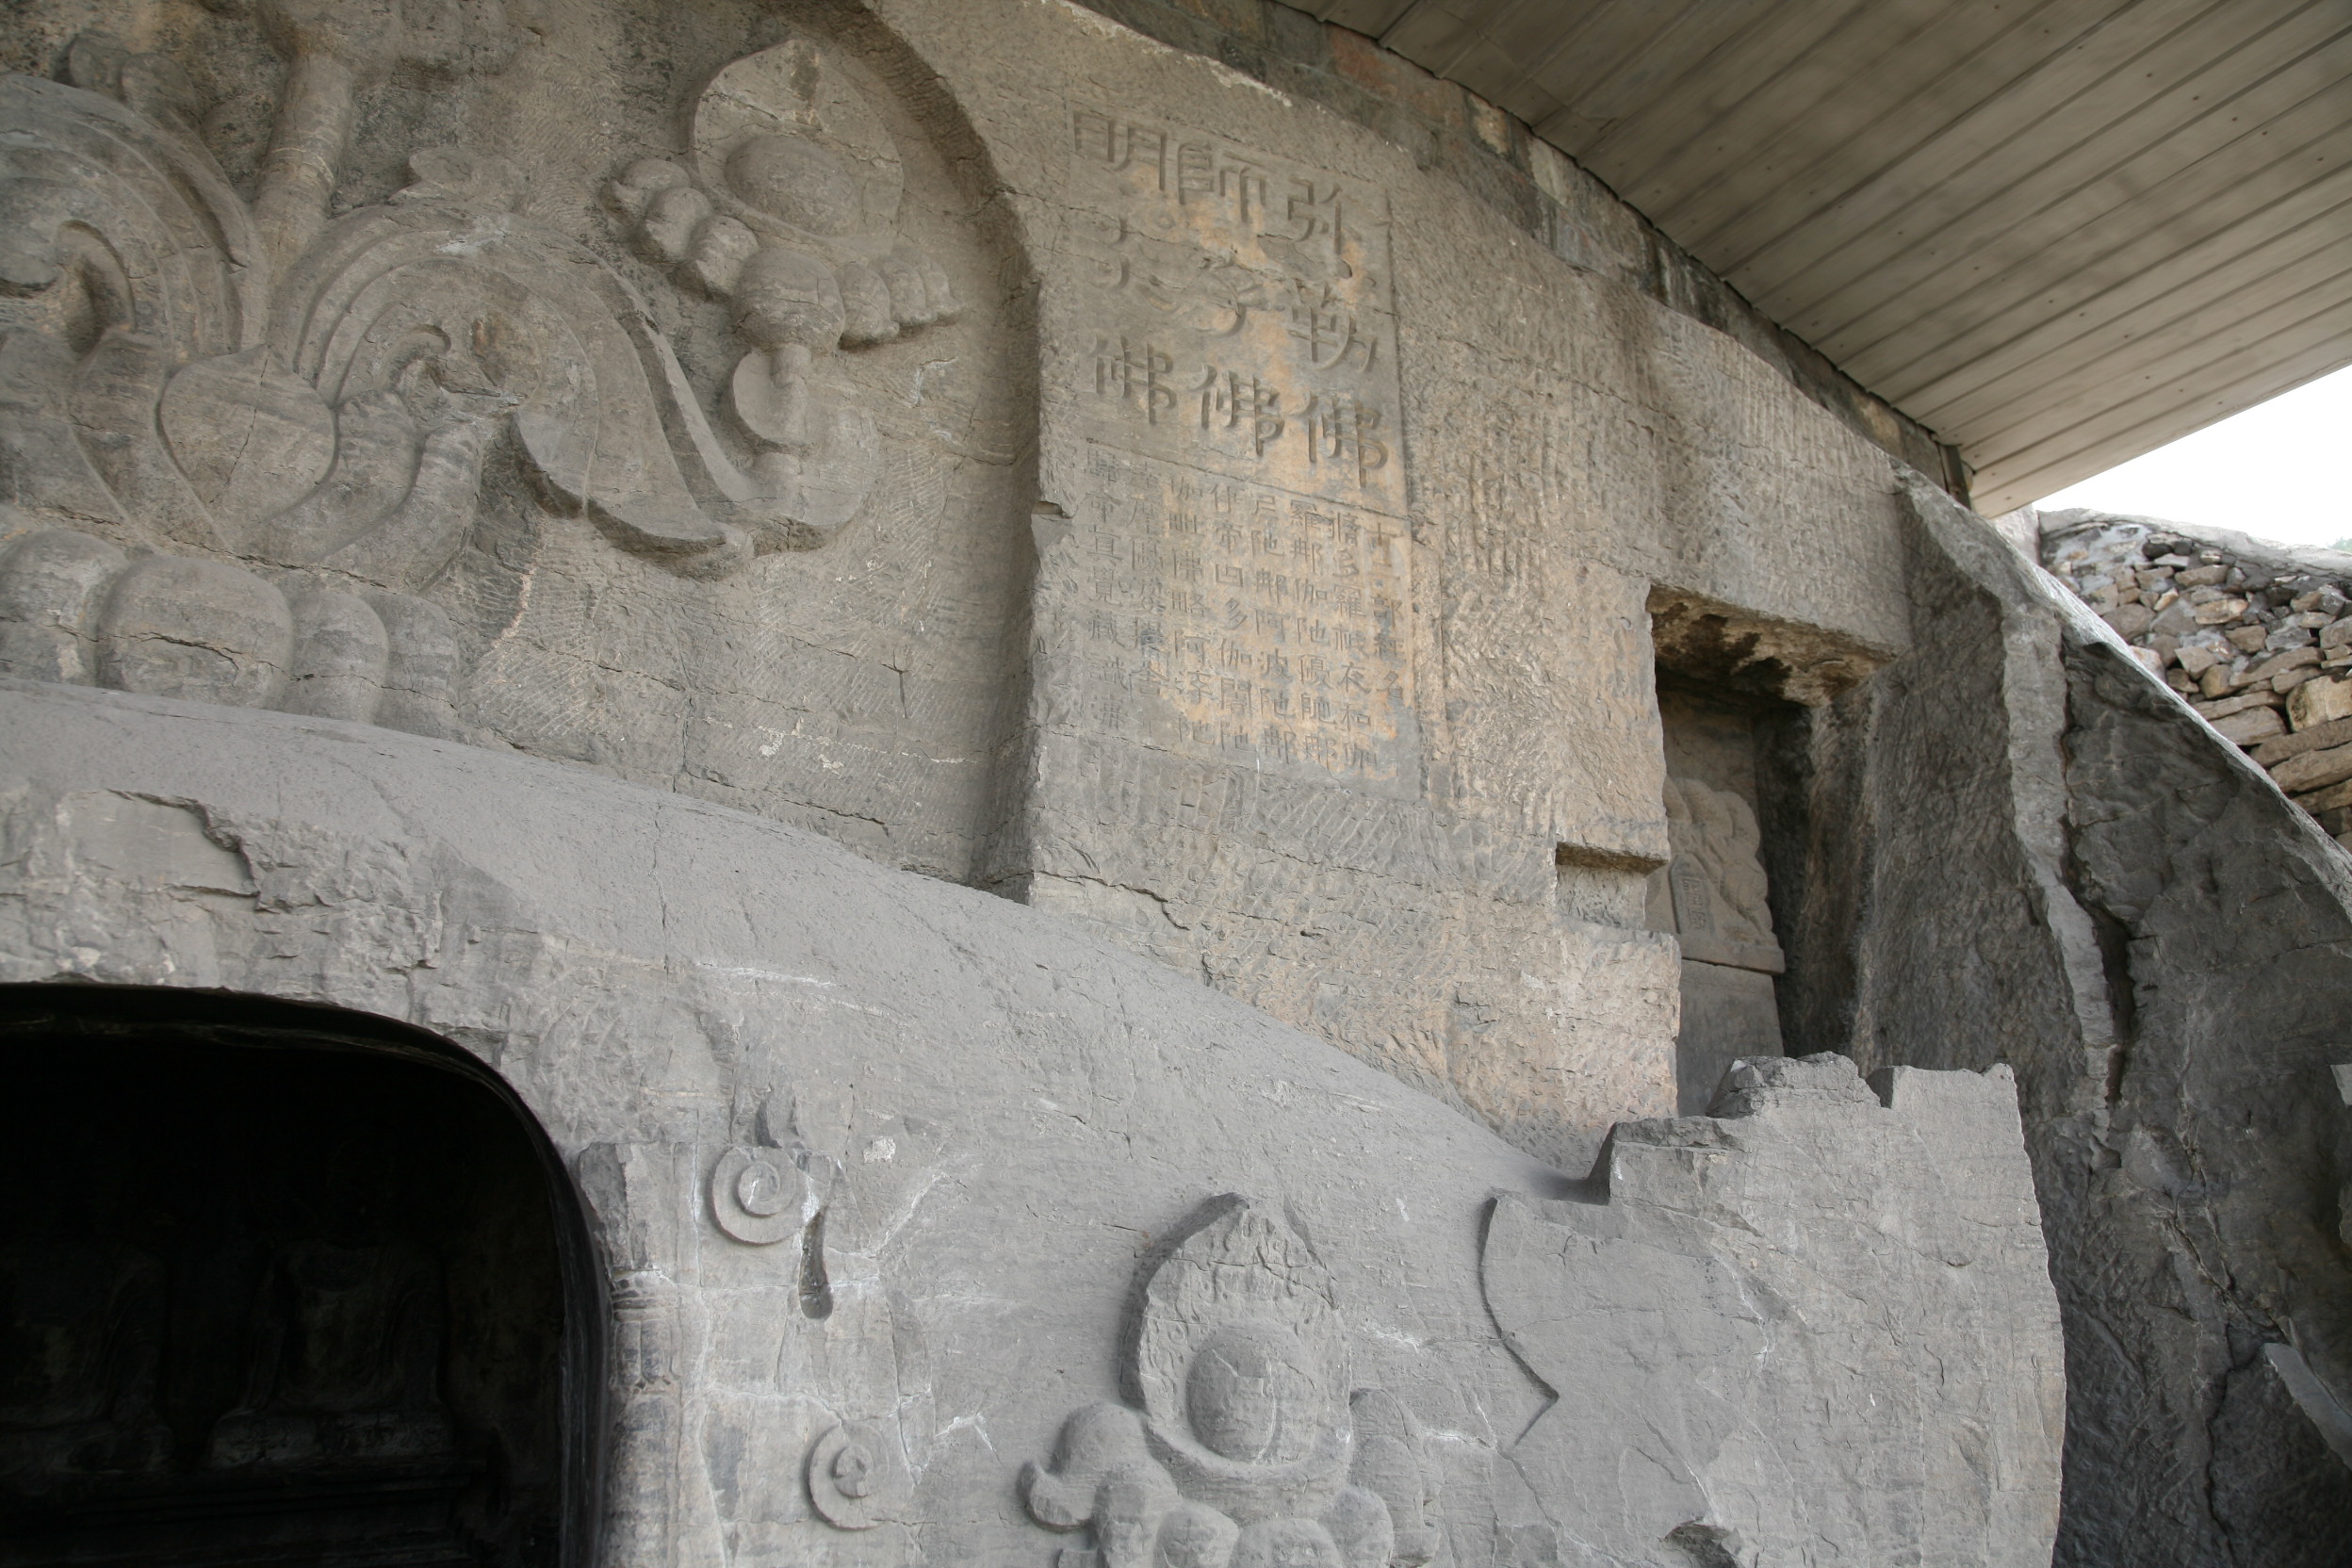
(2059, 232)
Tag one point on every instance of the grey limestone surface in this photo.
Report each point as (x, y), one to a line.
(1695, 1248)
(1027, 453)
(989, 1127)
(2042, 855)
(479, 483)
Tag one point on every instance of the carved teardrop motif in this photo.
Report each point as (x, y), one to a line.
(251, 437)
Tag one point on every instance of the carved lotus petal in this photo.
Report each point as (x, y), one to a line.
(866, 315)
(940, 303)
(635, 188)
(50, 582)
(715, 261)
(199, 630)
(654, 521)
(251, 437)
(784, 297)
(340, 654)
(910, 296)
(667, 232)
(559, 451)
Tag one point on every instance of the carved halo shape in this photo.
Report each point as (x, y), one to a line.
(791, 147)
(856, 1478)
(1242, 1365)
(759, 1196)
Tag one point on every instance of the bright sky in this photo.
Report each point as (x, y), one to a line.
(2275, 471)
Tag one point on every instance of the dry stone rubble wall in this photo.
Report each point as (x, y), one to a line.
(2257, 637)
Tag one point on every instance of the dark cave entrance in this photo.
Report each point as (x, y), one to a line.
(281, 1285)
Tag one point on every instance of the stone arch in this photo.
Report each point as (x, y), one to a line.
(284, 1279)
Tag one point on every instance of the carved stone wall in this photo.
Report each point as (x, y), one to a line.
(2046, 858)
(935, 1233)
(1354, 502)
(524, 378)
(1058, 464)
(1714, 895)
(1032, 456)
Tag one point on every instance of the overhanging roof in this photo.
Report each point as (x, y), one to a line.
(2060, 233)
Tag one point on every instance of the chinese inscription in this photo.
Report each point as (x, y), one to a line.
(1240, 317)
(1261, 625)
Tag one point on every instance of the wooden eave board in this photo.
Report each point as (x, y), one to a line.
(2143, 173)
(2100, 336)
(2059, 232)
(1960, 140)
(2224, 325)
(2204, 392)
(1746, 117)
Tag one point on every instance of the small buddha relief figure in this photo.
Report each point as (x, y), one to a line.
(344, 1365)
(1247, 1451)
(81, 1333)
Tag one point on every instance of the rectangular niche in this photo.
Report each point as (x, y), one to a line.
(1714, 895)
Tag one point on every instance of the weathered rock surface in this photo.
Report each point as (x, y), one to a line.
(835, 414)
(1057, 464)
(1822, 1322)
(2275, 631)
(2099, 890)
(981, 1130)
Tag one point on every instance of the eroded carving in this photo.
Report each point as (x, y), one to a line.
(1248, 1449)
(186, 376)
(790, 211)
(762, 1195)
(647, 1423)
(1715, 886)
(75, 608)
(857, 1477)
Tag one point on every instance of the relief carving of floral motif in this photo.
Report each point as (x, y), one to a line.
(788, 208)
(239, 439)
(1249, 1449)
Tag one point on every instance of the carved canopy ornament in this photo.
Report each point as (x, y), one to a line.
(305, 393)
(189, 379)
(1250, 1450)
(789, 209)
